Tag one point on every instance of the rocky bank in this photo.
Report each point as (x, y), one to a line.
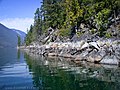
(86, 47)
(101, 51)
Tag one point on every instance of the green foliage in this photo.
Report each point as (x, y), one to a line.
(93, 30)
(108, 35)
(79, 34)
(30, 36)
(19, 40)
(101, 20)
(53, 13)
(64, 14)
(64, 32)
(73, 11)
(37, 22)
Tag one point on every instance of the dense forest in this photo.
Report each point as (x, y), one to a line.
(71, 17)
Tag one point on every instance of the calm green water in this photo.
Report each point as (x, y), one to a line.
(19, 71)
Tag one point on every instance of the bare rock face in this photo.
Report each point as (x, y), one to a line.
(102, 51)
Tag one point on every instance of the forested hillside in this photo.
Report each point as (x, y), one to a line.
(76, 17)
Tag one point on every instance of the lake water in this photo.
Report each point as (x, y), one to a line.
(19, 71)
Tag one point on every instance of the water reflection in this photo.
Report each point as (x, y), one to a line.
(7, 56)
(18, 54)
(14, 74)
(60, 74)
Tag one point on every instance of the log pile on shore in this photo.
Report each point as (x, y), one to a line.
(105, 51)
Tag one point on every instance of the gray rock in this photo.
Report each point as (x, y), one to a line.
(95, 45)
(85, 45)
(94, 56)
(110, 60)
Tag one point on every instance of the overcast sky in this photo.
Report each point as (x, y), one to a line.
(18, 14)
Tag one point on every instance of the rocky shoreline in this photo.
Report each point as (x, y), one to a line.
(101, 51)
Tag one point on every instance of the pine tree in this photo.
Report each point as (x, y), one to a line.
(19, 40)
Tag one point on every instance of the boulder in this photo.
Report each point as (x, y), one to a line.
(94, 59)
(78, 57)
(85, 45)
(95, 45)
(110, 60)
(94, 56)
(52, 54)
(84, 53)
(66, 55)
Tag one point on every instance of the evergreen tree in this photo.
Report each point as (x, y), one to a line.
(19, 40)
(30, 37)
(66, 15)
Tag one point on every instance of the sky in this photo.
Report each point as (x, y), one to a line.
(18, 14)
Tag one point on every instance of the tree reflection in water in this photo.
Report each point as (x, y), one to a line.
(59, 74)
